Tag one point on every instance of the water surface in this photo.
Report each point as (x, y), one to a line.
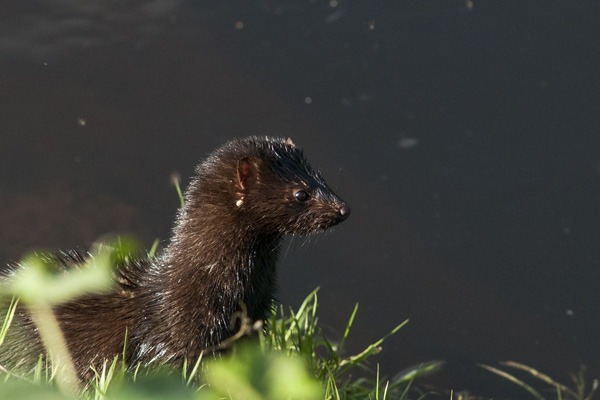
(463, 134)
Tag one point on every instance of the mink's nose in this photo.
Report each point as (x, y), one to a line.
(344, 212)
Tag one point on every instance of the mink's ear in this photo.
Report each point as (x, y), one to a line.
(247, 174)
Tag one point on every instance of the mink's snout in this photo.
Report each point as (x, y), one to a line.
(344, 212)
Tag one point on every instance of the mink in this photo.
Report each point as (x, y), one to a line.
(221, 260)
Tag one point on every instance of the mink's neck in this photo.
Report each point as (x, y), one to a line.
(227, 262)
(214, 266)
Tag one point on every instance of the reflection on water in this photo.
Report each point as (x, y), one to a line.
(44, 32)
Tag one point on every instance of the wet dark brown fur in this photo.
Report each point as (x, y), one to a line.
(245, 197)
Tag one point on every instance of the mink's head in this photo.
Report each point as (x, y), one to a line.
(268, 185)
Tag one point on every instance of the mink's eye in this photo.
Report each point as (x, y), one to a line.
(301, 195)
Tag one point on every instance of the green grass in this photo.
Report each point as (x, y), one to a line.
(580, 389)
(288, 356)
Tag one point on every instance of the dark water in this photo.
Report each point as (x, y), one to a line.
(463, 134)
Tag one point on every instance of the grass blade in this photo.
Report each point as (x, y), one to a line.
(8, 318)
(513, 379)
(539, 375)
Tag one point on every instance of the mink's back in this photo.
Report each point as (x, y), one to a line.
(94, 325)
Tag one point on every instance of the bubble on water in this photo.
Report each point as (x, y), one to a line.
(407, 142)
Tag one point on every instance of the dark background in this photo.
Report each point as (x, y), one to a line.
(464, 134)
